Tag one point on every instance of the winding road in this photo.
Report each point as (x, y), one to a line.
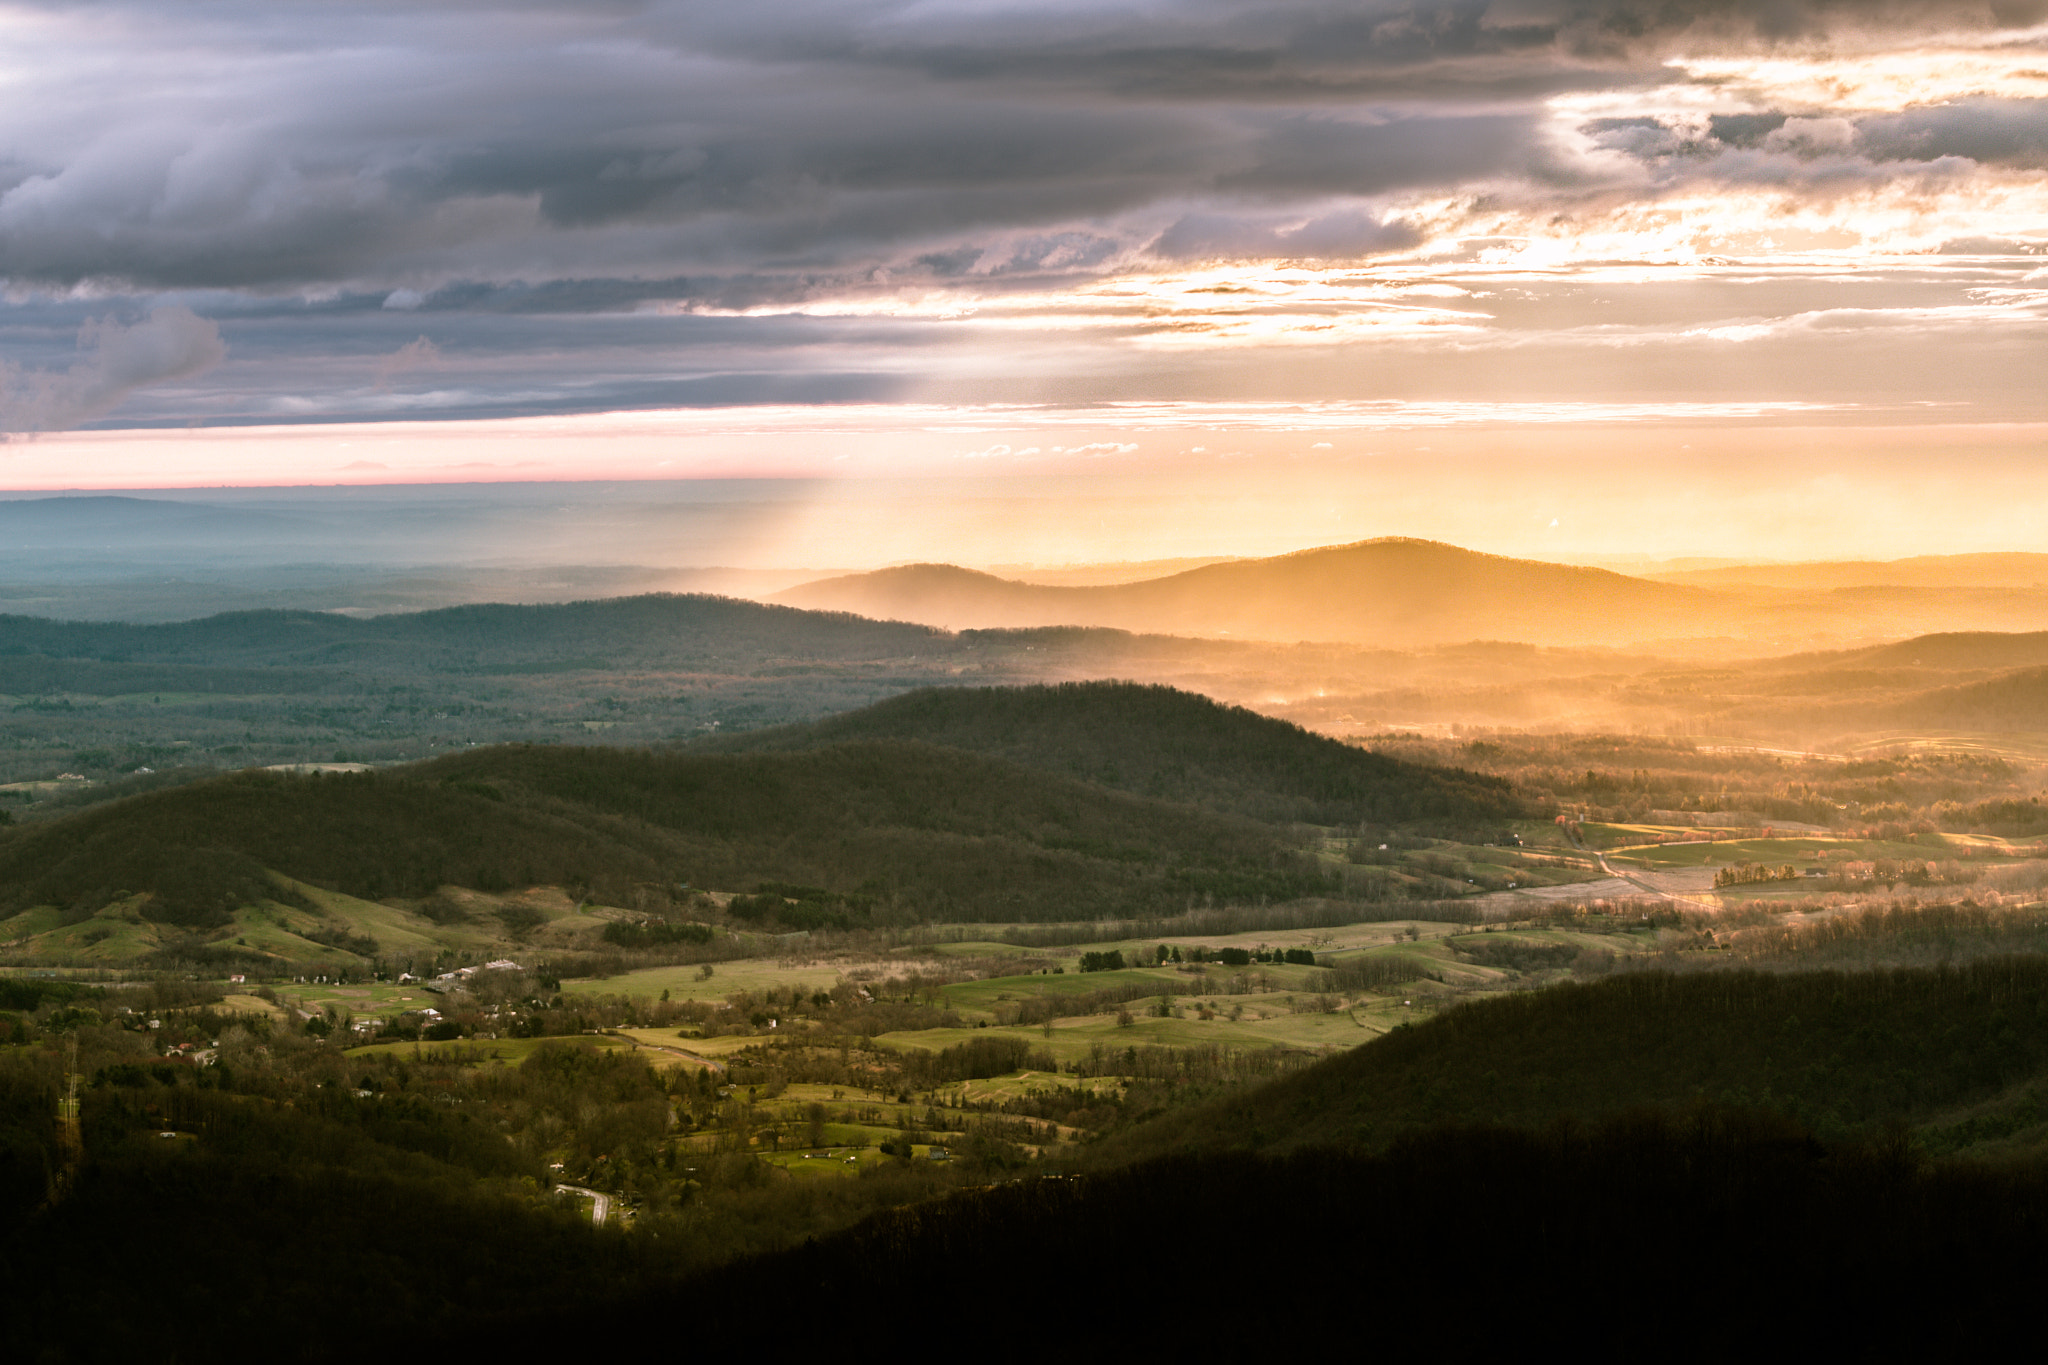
(600, 1204)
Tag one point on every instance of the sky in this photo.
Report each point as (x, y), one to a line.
(1478, 267)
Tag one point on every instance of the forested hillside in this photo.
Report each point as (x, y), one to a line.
(2016, 701)
(1840, 1051)
(896, 831)
(1175, 745)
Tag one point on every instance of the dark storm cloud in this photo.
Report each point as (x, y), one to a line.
(1316, 155)
(1343, 235)
(1989, 132)
(1234, 49)
(315, 145)
(373, 172)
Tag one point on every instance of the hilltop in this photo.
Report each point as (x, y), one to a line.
(1392, 591)
(1174, 745)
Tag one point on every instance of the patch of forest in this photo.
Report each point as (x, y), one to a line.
(1633, 779)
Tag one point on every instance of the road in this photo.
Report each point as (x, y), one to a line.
(665, 1047)
(600, 1204)
(1648, 889)
(1639, 884)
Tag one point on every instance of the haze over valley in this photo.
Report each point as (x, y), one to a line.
(698, 677)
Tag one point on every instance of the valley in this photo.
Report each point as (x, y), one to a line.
(756, 926)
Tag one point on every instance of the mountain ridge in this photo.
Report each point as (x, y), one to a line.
(1390, 590)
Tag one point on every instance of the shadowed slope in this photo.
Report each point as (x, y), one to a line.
(1165, 743)
(908, 831)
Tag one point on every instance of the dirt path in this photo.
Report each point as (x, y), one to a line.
(684, 1053)
(1646, 888)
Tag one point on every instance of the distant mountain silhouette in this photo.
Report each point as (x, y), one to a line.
(1971, 649)
(1391, 591)
(106, 520)
(651, 626)
(2003, 570)
(2012, 702)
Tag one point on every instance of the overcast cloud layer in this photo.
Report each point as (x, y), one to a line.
(259, 213)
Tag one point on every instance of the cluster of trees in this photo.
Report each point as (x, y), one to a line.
(1754, 874)
(1883, 935)
(655, 933)
(1638, 779)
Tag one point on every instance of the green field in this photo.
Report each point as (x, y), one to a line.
(371, 999)
(688, 983)
(1800, 850)
(474, 1051)
(1073, 1040)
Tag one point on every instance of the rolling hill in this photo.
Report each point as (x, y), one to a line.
(1164, 743)
(652, 626)
(982, 804)
(1391, 591)
(886, 832)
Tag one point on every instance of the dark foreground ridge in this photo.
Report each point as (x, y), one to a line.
(1736, 1224)
(1955, 1051)
(1607, 1183)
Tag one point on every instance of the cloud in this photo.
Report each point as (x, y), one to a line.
(1344, 234)
(1995, 132)
(419, 354)
(361, 147)
(689, 202)
(171, 343)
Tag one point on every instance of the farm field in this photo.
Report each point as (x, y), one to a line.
(360, 998)
(1801, 850)
(482, 1051)
(1267, 1023)
(724, 978)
